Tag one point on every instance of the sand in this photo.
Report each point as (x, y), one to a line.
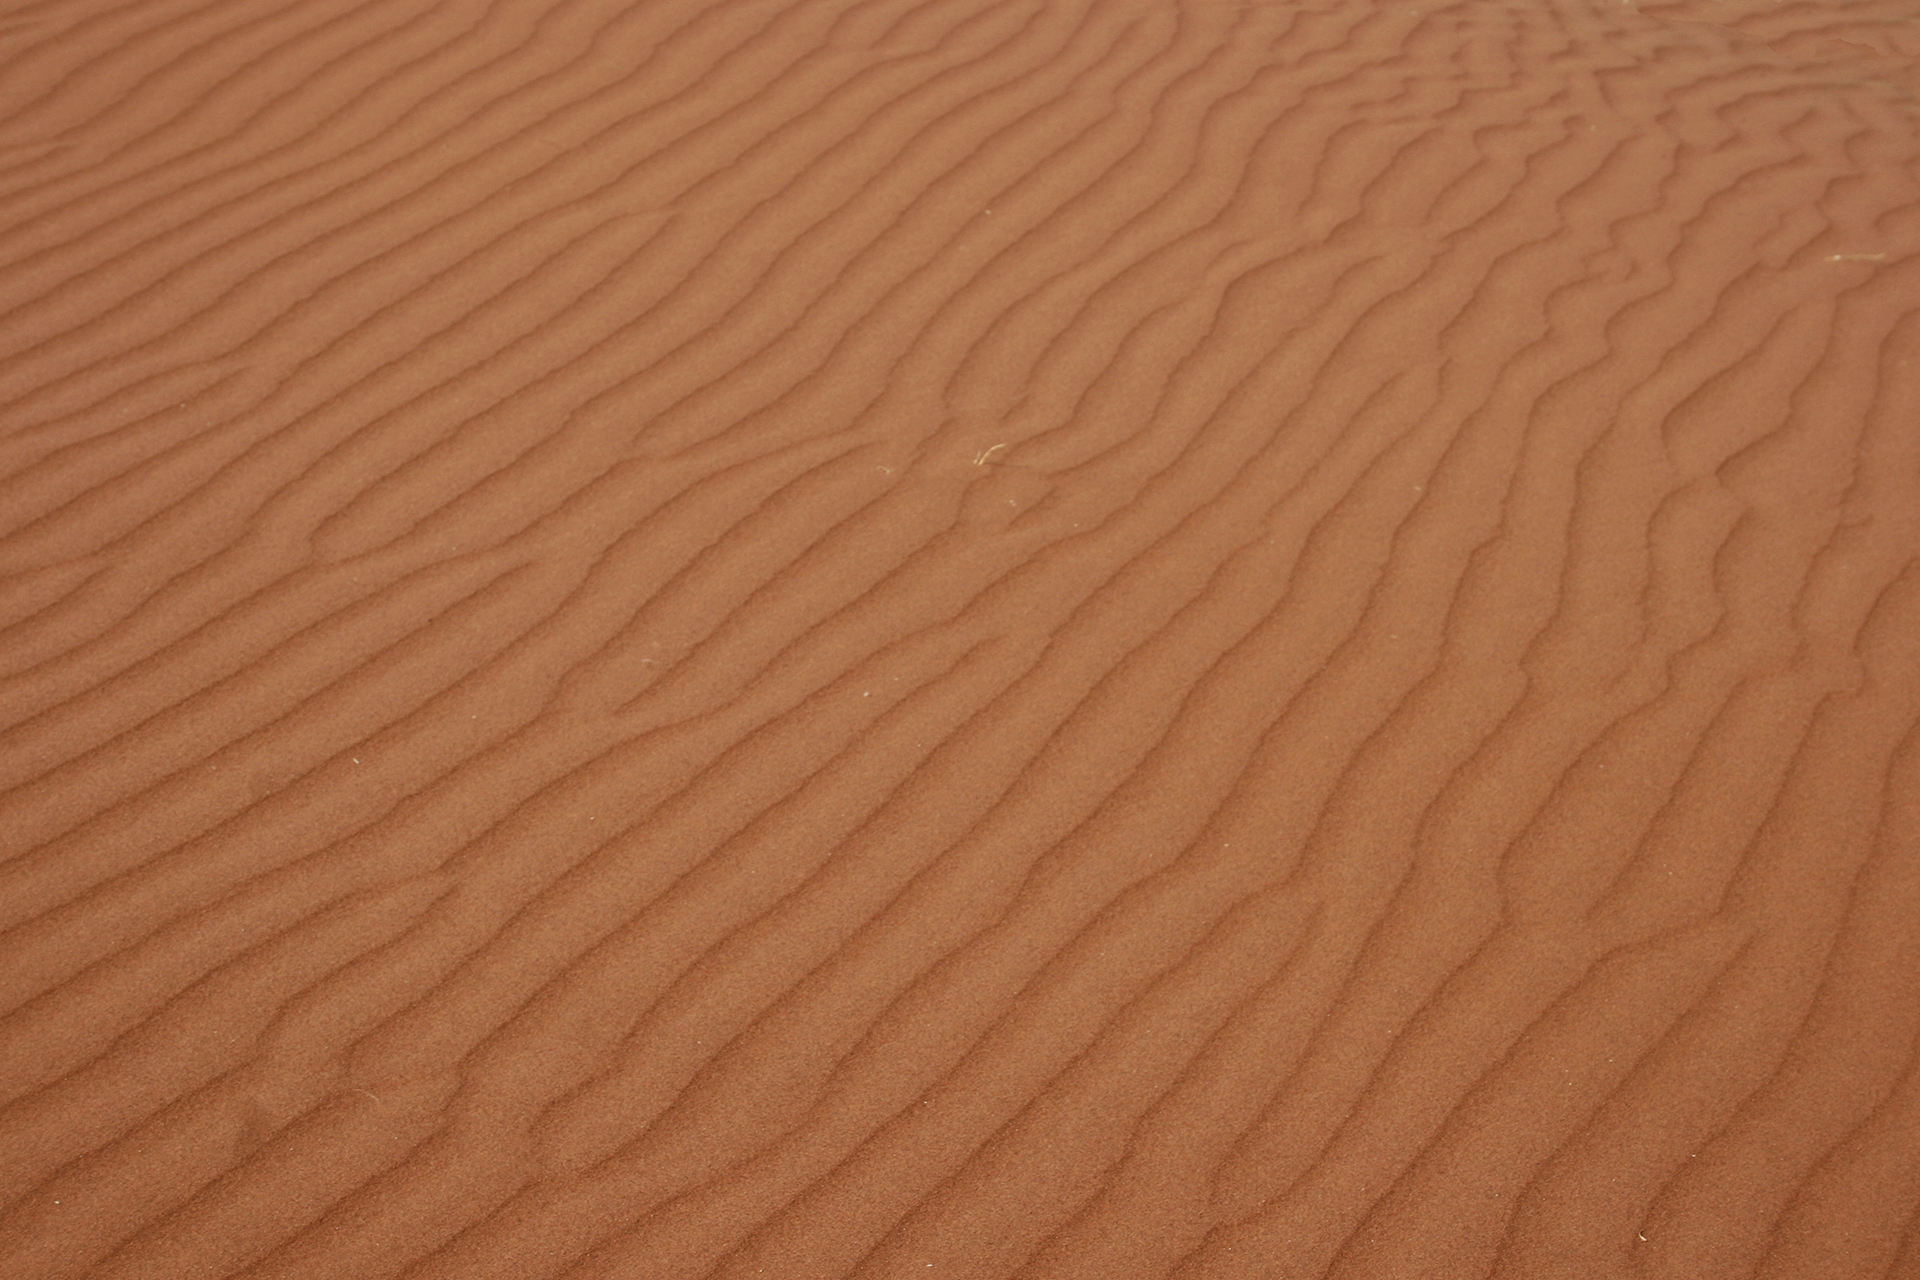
(1061, 639)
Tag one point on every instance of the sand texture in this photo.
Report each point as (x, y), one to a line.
(967, 639)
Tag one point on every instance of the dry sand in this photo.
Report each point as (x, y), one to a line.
(1069, 639)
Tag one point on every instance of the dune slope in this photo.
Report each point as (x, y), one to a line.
(1062, 639)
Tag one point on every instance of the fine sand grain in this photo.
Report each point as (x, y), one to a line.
(861, 639)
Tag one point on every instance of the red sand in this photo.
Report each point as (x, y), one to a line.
(959, 638)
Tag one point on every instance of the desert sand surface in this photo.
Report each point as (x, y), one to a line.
(1042, 639)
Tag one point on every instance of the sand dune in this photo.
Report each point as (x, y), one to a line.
(1056, 639)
